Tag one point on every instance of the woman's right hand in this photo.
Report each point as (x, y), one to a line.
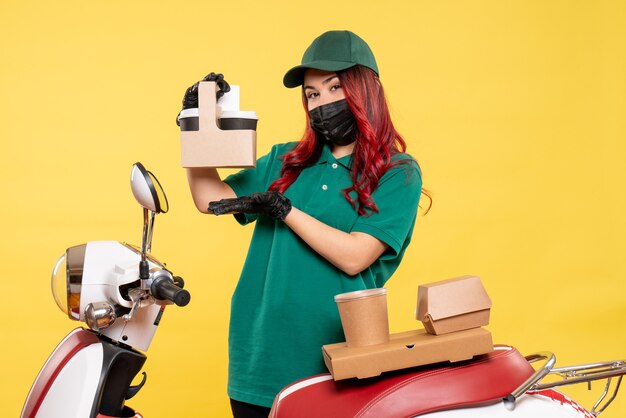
(190, 99)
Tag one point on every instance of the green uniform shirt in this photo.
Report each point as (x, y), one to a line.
(283, 307)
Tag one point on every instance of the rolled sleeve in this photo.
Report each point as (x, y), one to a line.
(397, 198)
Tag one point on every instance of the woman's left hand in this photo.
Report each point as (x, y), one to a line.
(272, 204)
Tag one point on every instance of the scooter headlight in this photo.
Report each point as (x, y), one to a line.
(67, 278)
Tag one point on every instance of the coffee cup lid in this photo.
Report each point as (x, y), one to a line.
(239, 114)
(188, 113)
(360, 294)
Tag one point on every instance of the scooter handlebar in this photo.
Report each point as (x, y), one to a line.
(164, 288)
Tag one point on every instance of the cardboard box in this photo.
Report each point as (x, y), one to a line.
(212, 147)
(453, 305)
(406, 349)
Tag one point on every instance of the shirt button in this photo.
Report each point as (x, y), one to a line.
(324, 187)
(335, 165)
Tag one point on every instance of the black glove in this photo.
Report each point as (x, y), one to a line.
(272, 204)
(190, 99)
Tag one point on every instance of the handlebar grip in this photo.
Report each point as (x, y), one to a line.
(165, 288)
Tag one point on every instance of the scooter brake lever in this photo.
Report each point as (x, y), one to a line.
(137, 295)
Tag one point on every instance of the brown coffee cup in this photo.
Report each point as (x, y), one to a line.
(364, 317)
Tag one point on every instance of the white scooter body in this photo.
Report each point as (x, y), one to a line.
(120, 291)
(75, 377)
(73, 389)
(108, 266)
(73, 381)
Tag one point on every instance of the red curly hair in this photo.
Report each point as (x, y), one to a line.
(376, 141)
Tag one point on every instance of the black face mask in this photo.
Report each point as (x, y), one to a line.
(335, 122)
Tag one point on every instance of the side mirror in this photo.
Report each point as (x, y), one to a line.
(150, 195)
(147, 190)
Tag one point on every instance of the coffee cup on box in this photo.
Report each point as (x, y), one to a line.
(364, 317)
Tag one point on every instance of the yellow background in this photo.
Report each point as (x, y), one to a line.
(514, 109)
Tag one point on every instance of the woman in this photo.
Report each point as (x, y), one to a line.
(334, 213)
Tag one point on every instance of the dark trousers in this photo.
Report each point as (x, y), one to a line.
(248, 410)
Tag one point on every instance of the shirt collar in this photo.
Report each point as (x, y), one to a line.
(328, 157)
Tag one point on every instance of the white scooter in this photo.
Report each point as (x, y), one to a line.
(120, 291)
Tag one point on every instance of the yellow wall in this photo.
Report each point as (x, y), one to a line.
(515, 110)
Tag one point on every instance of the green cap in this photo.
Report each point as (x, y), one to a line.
(335, 50)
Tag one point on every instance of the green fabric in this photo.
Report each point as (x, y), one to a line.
(334, 50)
(283, 307)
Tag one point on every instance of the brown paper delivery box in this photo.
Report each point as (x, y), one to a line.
(405, 349)
(453, 305)
(211, 146)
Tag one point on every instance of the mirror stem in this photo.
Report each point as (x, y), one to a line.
(144, 238)
(144, 271)
(149, 246)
